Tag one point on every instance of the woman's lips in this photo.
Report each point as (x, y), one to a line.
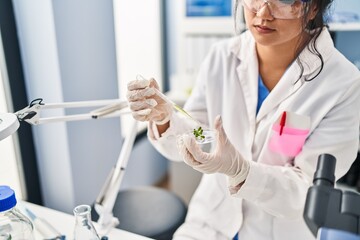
(263, 29)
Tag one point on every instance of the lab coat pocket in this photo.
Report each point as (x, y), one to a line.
(288, 136)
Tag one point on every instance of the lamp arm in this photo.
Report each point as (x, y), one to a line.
(108, 108)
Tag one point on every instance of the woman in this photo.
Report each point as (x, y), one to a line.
(285, 95)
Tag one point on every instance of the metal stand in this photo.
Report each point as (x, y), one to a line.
(106, 199)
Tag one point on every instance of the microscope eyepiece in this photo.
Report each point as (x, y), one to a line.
(325, 170)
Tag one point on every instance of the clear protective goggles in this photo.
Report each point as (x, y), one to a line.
(280, 9)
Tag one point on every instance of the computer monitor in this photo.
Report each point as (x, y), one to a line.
(208, 8)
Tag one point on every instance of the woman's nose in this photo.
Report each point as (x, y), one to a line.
(265, 12)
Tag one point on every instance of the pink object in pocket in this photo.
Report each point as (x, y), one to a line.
(290, 142)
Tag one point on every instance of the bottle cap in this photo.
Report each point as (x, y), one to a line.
(7, 198)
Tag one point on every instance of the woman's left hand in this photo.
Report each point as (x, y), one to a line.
(223, 159)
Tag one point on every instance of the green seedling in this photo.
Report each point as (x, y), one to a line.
(198, 133)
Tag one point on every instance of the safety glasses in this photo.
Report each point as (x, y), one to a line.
(280, 9)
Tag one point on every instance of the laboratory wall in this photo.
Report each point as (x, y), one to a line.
(66, 60)
(9, 170)
(347, 41)
(69, 54)
(11, 173)
(85, 43)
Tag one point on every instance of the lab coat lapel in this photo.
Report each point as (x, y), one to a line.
(288, 84)
(248, 74)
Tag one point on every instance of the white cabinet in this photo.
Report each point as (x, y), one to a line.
(194, 35)
(345, 28)
(355, 26)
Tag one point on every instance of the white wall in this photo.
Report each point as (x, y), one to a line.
(138, 29)
(68, 54)
(348, 41)
(139, 48)
(87, 56)
(10, 170)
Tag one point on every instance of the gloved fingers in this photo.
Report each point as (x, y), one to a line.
(142, 104)
(159, 117)
(153, 83)
(220, 132)
(163, 112)
(138, 84)
(206, 168)
(150, 115)
(143, 112)
(160, 121)
(194, 149)
(142, 115)
(135, 95)
(187, 157)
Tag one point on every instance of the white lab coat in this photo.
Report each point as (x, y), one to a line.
(270, 203)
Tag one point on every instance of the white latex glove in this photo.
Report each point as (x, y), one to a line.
(223, 159)
(145, 104)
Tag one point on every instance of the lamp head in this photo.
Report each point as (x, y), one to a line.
(8, 124)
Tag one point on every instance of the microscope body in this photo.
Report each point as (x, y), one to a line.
(329, 212)
(333, 234)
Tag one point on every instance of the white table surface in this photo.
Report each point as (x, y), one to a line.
(64, 223)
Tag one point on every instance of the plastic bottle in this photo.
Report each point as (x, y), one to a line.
(84, 229)
(13, 224)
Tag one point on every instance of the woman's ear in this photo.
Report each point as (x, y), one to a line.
(313, 11)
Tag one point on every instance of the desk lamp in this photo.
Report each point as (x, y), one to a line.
(106, 199)
(8, 124)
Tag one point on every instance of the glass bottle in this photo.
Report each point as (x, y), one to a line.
(84, 229)
(13, 224)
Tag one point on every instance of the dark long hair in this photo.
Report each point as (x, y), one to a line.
(311, 27)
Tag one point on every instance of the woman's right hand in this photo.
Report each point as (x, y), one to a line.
(145, 104)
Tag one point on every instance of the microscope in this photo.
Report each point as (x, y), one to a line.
(330, 213)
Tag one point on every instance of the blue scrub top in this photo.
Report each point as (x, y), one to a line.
(263, 92)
